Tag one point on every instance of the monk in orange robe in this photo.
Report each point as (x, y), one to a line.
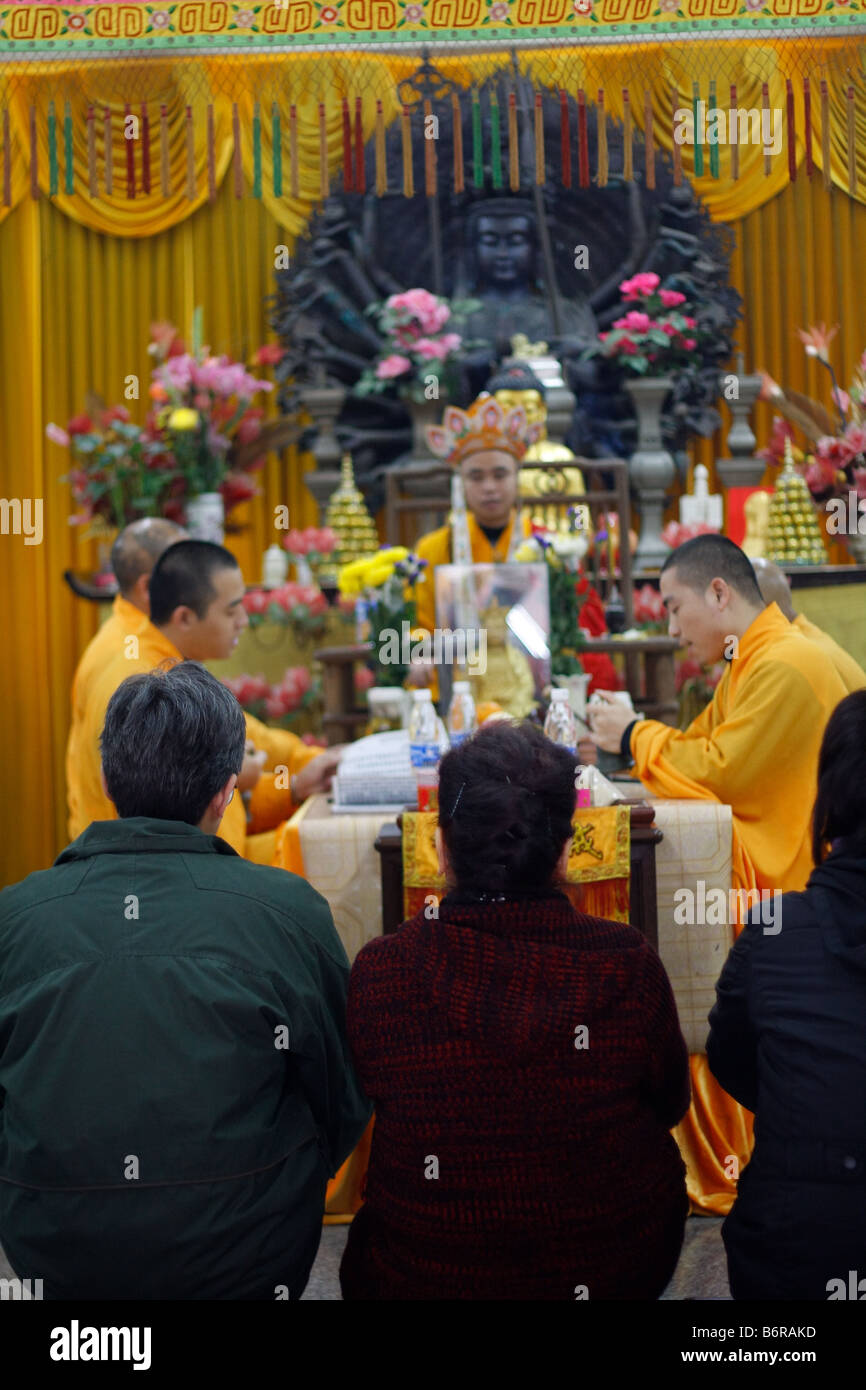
(754, 748)
(775, 588)
(197, 613)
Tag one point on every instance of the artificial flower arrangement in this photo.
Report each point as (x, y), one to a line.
(415, 345)
(280, 704)
(676, 533)
(199, 436)
(302, 607)
(834, 460)
(314, 545)
(381, 584)
(655, 336)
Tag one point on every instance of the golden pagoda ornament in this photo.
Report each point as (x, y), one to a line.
(348, 516)
(793, 533)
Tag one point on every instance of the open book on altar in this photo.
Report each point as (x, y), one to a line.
(498, 618)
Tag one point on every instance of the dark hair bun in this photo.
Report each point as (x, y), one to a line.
(506, 799)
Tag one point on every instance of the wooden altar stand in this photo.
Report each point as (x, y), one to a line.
(643, 913)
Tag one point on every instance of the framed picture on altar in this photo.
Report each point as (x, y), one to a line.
(498, 618)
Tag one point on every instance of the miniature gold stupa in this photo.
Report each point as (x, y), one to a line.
(793, 533)
(348, 516)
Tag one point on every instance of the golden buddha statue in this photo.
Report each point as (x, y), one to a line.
(524, 388)
(508, 675)
(756, 510)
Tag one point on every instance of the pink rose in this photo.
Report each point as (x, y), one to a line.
(644, 283)
(627, 347)
(854, 441)
(671, 298)
(669, 329)
(690, 323)
(431, 349)
(635, 321)
(860, 481)
(395, 365)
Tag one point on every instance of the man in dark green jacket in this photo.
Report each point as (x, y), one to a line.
(175, 1082)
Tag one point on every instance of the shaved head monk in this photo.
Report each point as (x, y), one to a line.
(775, 588)
(197, 613)
(754, 748)
(133, 556)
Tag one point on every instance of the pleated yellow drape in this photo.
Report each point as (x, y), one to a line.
(665, 71)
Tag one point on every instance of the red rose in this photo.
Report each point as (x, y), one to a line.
(80, 424)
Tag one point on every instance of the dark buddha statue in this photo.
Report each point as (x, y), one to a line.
(502, 268)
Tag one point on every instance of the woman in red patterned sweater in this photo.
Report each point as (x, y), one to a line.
(526, 1064)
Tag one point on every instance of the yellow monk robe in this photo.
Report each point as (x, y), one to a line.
(853, 676)
(269, 804)
(436, 549)
(755, 749)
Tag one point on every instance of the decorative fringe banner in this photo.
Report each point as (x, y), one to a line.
(836, 136)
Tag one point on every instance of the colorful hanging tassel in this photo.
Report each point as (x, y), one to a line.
(649, 140)
(676, 148)
(582, 142)
(513, 145)
(109, 153)
(211, 154)
(601, 175)
(91, 153)
(495, 142)
(807, 126)
(852, 145)
(53, 167)
(564, 139)
(825, 135)
(293, 150)
(714, 145)
(7, 160)
(627, 138)
(324, 182)
(765, 104)
(34, 156)
(69, 167)
(429, 153)
(257, 150)
(381, 161)
(130, 155)
(360, 168)
(348, 184)
(190, 155)
(734, 146)
(698, 145)
(792, 130)
(236, 154)
(457, 126)
(408, 173)
(276, 152)
(477, 144)
(165, 184)
(540, 172)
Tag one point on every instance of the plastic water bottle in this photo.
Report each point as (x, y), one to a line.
(424, 745)
(559, 726)
(462, 722)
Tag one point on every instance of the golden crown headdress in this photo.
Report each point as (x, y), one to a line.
(485, 425)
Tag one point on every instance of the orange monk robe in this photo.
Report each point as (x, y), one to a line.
(754, 748)
(436, 549)
(270, 803)
(853, 676)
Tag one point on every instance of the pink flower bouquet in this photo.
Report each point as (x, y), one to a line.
(655, 336)
(414, 343)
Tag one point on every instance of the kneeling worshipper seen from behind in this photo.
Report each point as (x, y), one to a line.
(195, 602)
(525, 1060)
(176, 1080)
(754, 748)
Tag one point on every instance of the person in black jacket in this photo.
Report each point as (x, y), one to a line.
(788, 1041)
(175, 1080)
